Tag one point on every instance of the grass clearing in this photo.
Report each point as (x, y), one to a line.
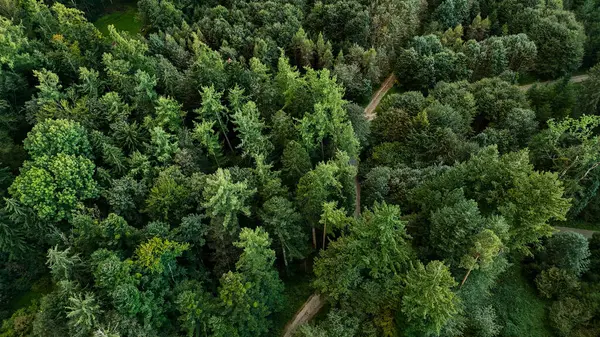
(520, 311)
(125, 20)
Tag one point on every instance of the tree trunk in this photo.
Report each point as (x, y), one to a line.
(468, 272)
(284, 256)
(322, 151)
(225, 134)
(324, 233)
(314, 237)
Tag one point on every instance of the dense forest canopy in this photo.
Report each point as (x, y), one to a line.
(206, 167)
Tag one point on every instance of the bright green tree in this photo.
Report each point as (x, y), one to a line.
(83, 313)
(213, 110)
(254, 291)
(428, 301)
(486, 246)
(316, 187)
(571, 148)
(54, 186)
(158, 255)
(251, 131)
(225, 199)
(168, 115)
(352, 272)
(52, 137)
(205, 134)
(163, 144)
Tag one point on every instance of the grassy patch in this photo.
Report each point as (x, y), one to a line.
(125, 20)
(297, 291)
(520, 311)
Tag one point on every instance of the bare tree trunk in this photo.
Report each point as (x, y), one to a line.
(322, 151)
(314, 237)
(284, 256)
(225, 133)
(468, 272)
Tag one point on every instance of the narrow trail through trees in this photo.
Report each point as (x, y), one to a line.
(574, 79)
(585, 232)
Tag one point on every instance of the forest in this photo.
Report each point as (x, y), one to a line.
(180, 168)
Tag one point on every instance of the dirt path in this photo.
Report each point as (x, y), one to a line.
(585, 232)
(574, 79)
(308, 311)
(385, 86)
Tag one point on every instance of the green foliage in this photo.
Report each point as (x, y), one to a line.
(61, 264)
(159, 14)
(158, 255)
(205, 134)
(553, 282)
(20, 324)
(519, 310)
(553, 101)
(213, 111)
(225, 199)
(351, 272)
(452, 12)
(148, 226)
(163, 145)
(281, 219)
(509, 187)
(296, 161)
(254, 291)
(168, 196)
(52, 137)
(316, 187)
(568, 251)
(250, 129)
(428, 301)
(195, 306)
(55, 186)
(568, 313)
(82, 313)
(427, 62)
(168, 115)
(558, 36)
(570, 148)
(338, 323)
